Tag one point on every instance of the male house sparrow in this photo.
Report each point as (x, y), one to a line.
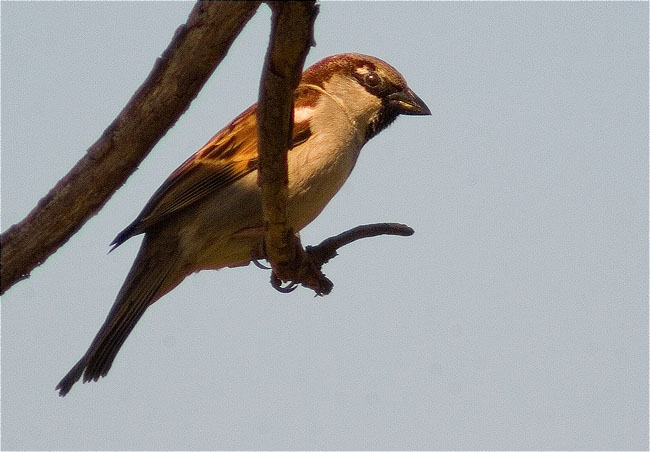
(208, 213)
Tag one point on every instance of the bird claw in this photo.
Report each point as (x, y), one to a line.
(276, 283)
(309, 275)
(258, 264)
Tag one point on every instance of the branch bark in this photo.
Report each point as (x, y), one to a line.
(195, 51)
(317, 256)
(291, 37)
(327, 249)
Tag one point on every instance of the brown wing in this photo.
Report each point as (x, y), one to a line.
(228, 156)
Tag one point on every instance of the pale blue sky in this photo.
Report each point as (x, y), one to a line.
(516, 317)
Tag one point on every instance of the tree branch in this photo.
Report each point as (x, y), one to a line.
(195, 51)
(327, 249)
(317, 256)
(291, 37)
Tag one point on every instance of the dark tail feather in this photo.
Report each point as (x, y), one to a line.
(71, 377)
(148, 280)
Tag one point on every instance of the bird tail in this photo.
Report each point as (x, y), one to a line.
(153, 274)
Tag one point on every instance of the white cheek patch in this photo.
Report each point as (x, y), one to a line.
(302, 114)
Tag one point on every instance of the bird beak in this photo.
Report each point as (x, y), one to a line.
(408, 103)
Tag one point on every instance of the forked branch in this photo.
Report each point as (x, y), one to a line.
(291, 37)
(315, 257)
(178, 75)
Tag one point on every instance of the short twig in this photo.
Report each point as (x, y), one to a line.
(309, 273)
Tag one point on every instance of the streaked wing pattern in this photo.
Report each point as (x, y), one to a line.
(228, 156)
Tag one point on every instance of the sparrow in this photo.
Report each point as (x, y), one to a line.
(208, 213)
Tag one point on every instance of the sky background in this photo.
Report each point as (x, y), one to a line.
(516, 317)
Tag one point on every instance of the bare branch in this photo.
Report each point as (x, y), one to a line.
(178, 75)
(316, 256)
(327, 249)
(292, 34)
(291, 37)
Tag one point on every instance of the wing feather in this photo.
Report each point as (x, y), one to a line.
(228, 156)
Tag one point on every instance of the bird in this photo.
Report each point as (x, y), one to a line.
(208, 213)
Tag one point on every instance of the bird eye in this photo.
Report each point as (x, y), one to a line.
(372, 79)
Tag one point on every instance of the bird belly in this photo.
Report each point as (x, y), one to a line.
(316, 173)
(227, 230)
